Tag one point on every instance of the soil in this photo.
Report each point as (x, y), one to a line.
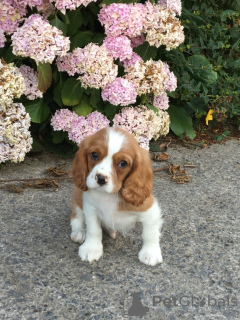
(206, 135)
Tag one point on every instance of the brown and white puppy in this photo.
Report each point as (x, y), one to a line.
(113, 188)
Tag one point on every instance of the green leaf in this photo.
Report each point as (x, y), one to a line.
(227, 14)
(181, 122)
(58, 136)
(110, 111)
(151, 107)
(83, 108)
(81, 39)
(64, 17)
(145, 51)
(226, 133)
(71, 92)
(75, 21)
(94, 8)
(173, 94)
(201, 69)
(36, 146)
(44, 76)
(95, 97)
(8, 56)
(37, 109)
(64, 150)
(56, 22)
(98, 38)
(57, 92)
(154, 147)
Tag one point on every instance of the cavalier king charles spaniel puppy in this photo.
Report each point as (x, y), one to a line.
(113, 182)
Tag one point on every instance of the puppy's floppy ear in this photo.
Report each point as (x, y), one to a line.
(80, 167)
(139, 183)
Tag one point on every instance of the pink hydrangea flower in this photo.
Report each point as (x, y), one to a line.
(142, 123)
(148, 77)
(171, 84)
(31, 83)
(39, 40)
(96, 121)
(131, 62)
(2, 39)
(122, 19)
(120, 92)
(96, 66)
(84, 127)
(137, 41)
(9, 16)
(30, 3)
(162, 27)
(161, 102)
(118, 47)
(62, 5)
(78, 127)
(62, 119)
(174, 5)
(69, 63)
(20, 5)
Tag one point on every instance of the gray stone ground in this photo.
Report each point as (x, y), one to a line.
(42, 276)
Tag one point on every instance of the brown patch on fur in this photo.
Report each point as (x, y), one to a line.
(139, 182)
(77, 201)
(78, 197)
(134, 181)
(73, 216)
(82, 163)
(125, 206)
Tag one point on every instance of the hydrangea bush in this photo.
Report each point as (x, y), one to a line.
(15, 137)
(77, 66)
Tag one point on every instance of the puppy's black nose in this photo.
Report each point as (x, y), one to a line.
(101, 180)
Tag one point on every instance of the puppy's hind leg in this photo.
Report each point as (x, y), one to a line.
(77, 225)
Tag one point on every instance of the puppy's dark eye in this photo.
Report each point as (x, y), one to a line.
(94, 155)
(122, 164)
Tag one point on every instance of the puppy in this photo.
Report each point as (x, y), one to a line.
(113, 182)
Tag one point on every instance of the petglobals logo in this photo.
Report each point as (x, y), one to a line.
(194, 301)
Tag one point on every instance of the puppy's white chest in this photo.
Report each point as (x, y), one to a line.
(106, 206)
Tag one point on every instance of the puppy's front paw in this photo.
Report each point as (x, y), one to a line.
(78, 236)
(150, 255)
(90, 251)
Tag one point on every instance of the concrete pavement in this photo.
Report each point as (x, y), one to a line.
(42, 276)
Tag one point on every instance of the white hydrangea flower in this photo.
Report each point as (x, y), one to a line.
(12, 84)
(31, 82)
(15, 137)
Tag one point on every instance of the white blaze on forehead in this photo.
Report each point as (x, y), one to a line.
(115, 142)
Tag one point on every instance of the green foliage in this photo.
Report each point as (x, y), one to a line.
(38, 110)
(207, 64)
(56, 22)
(201, 70)
(181, 122)
(145, 51)
(83, 108)
(44, 76)
(71, 92)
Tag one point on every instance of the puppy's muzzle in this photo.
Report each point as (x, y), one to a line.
(101, 180)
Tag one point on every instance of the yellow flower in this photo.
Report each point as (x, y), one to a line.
(209, 116)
